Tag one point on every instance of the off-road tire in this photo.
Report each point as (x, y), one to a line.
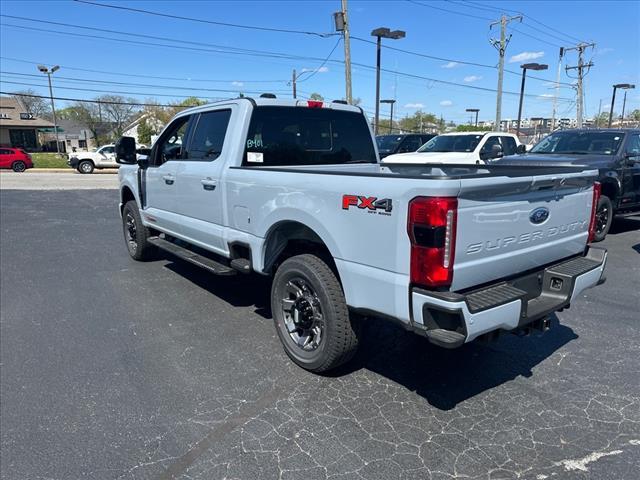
(605, 207)
(142, 250)
(86, 166)
(19, 166)
(339, 339)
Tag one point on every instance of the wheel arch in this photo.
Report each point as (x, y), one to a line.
(126, 195)
(290, 237)
(611, 189)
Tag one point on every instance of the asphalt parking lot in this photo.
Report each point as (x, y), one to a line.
(112, 369)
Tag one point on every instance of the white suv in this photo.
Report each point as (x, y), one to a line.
(462, 147)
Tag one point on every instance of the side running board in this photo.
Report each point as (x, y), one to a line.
(190, 256)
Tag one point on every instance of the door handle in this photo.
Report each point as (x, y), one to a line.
(168, 179)
(209, 184)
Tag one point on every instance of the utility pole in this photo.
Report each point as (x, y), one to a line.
(293, 83)
(599, 111)
(555, 97)
(347, 52)
(501, 46)
(581, 47)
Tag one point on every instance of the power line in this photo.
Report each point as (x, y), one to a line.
(250, 52)
(126, 84)
(449, 11)
(324, 62)
(201, 20)
(108, 102)
(156, 77)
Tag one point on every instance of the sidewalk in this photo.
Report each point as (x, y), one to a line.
(57, 179)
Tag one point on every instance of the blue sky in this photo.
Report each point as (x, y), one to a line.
(462, 36)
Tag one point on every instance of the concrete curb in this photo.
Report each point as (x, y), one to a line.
(70, 170)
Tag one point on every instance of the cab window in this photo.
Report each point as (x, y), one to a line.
(509, 146)
(208, 136)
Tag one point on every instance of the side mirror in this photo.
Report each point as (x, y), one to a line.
(520, 149)
(496, 151)
(126, 150)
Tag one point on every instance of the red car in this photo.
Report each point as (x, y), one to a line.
(15, 158)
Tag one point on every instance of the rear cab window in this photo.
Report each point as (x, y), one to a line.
(288, 136)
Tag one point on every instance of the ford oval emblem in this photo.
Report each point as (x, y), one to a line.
(539, 215)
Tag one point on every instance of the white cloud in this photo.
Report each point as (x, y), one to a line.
(450, 65)
(603, 51)
(414, 105)
(472, 78)
(446, 103)
(521, 57)
(546, 95)
(237, 84)
(319, 70)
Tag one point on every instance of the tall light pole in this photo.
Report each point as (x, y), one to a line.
(472, 110)
(50, 72)
(390, 102)
(624, 86)
(381, 33)
(525, 67)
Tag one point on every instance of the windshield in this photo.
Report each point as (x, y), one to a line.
(451, 143)
(388, 142)
(281, 136)
(580, 143)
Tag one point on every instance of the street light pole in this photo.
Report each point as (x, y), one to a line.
(50, 72)
(472, 110)
(381, 33)
(391, 102)
(624, 86)
(530, 66)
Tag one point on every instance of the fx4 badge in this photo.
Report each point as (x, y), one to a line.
(381, 206)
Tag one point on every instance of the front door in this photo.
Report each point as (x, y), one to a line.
(199, 192)
(160, 178)
(631, 172)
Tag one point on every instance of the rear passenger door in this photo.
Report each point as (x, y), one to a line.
(199, 192)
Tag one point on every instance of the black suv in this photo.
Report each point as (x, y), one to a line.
(401, 143)
(614, 153)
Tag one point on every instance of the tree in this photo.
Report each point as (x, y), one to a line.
(316, 96)
(118, 111)
(145, 130)
(418, 122)
(86, 114)
(635, 115)
(472, 128)
(33, 104)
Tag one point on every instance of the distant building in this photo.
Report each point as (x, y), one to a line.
(19, 128)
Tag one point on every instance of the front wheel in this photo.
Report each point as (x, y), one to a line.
(310, 314)
(136, 235)
(604, 218)
(85, 166)
(19, 166)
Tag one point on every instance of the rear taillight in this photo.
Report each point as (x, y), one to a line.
(314, 104)
(597, 190)
(432, 231)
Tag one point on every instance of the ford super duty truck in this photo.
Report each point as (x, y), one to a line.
(294, 190)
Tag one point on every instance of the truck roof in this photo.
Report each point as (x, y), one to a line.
(275, 102)
(478, 133)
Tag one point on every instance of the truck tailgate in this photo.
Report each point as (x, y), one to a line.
(517, 224)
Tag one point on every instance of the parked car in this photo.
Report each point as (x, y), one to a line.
(402, 143)
(15, 158)
(614, 153)
(86, 162)
(294, 190)
(462, 147)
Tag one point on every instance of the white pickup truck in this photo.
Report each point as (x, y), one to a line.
(295, 190)
(87, 162)
(462, 147)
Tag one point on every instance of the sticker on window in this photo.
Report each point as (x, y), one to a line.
(255, 157)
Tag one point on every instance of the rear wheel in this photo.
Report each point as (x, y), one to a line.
(85, 166)
(19, 166)
(136, 235)
(604, 218)
(310, 314)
